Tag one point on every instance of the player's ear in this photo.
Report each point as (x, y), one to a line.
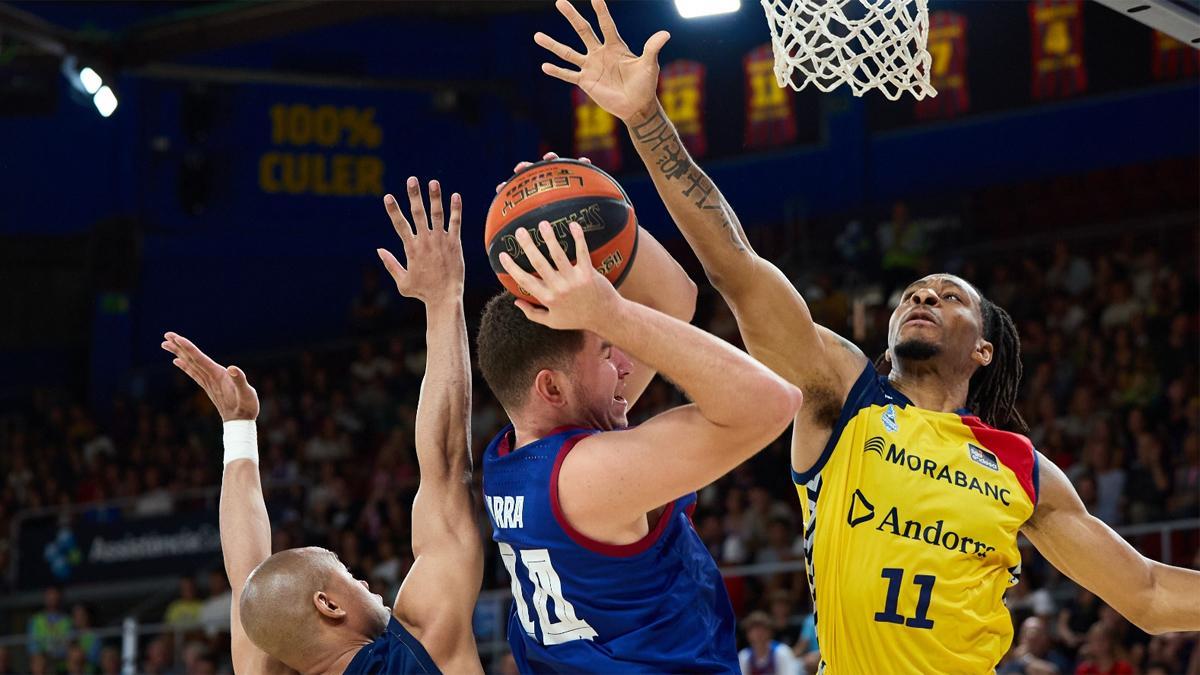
(548, 386)
(887, 355)
(983, 352)
(327, 606)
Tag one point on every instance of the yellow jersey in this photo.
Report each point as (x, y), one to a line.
(910, 536)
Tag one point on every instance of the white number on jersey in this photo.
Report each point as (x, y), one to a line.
(546, 587)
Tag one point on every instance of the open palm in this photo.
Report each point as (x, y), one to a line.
(618, 80)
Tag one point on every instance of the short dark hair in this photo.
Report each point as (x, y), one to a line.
(512, 349)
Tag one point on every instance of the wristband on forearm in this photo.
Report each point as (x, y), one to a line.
(241, 441)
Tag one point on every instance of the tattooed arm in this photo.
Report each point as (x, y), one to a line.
(773, 318)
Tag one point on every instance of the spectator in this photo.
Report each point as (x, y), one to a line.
(110, 661)
(1035, 653)
(1099, 655)
(50, 629)
(369, 311)
(1068, 272)
(330, 444)
(158, 658)
(84, 634)
(39, 664)
(1148, 481)
(214, 613)
(77, 661)
(785, 624)
(765, 656)
(184, 611)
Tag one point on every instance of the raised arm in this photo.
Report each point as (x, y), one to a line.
(244, 525)
(656, 280)
(1157, 598)
(613, 479)
(438, 596)
(774, 320)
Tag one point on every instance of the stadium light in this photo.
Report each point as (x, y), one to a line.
(105, 100)
(91, 80)
(691, 9)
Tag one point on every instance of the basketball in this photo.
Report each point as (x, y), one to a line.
(560, 191)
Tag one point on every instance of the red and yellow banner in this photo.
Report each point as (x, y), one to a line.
(596, 133)
(1173, 59)
(1056, 27)
(948, 47)
(681, 90)
(770, 116)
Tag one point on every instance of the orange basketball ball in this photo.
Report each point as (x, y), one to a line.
(561, 191)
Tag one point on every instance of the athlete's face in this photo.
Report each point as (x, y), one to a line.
(939, 317)
(598, 385)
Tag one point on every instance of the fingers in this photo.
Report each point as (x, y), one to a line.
(536, 259)
(580, 24)
(531, 311)
(558, 49)
(455, 215)
(188, 370)
(191, 352)
(524, 279)
(585, 160)
(549, 156)
(500, 186)
(608, 28)
(655, 44)
(582, 255)
(399, 223)
(557, 72)
(239, 381)
(416, 205)
(557, 254)
(393, 266)
(437, 217)
(521, 166)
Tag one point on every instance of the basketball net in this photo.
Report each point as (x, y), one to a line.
(880, 45)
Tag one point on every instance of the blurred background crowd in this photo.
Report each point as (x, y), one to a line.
(1109, 331)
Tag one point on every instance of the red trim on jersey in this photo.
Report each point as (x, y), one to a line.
(1013, 450)
(506, 441)
(614, 550)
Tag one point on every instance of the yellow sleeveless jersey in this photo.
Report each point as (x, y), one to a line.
(910, 536)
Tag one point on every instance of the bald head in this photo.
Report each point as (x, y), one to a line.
(277, 609)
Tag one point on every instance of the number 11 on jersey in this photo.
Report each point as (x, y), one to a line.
(895, 578)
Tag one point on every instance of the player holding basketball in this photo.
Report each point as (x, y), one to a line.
(300, 610)
(912, 503)
(591, 518)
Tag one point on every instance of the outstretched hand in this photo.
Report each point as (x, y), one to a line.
(573, 296)
(622, 83)
(226, 387)
(432, 249)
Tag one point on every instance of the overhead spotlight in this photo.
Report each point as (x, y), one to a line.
(91, 80)
(105, 100)
(691, 9)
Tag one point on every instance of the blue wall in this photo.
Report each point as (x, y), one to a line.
(255, 270)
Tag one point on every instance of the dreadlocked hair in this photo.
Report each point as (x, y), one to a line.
(992, 392)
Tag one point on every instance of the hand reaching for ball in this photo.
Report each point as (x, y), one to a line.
(573, 296)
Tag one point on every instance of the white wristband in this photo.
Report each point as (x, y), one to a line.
(241, 441)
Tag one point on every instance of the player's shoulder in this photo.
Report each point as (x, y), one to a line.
(395, 651)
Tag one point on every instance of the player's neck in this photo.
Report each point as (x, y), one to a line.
(532, 426)
(333, 658)
(930, 389)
